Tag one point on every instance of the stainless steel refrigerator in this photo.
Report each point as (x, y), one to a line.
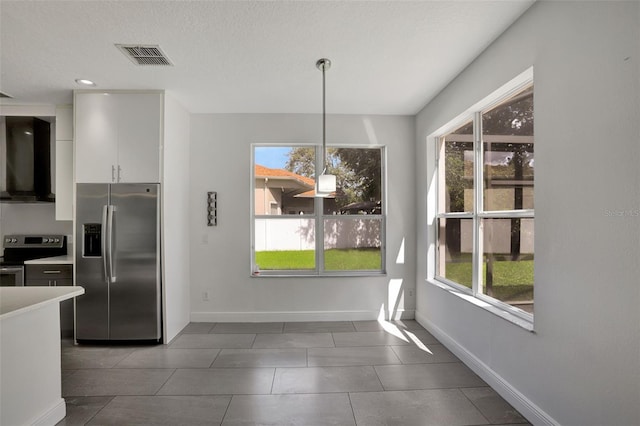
(118, 262)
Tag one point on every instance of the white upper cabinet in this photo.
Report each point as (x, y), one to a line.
(118, 137)
(64, 162)
(96, 137)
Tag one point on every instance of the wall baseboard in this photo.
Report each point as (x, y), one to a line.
(526, 407)
(295, 316)
(51, 417)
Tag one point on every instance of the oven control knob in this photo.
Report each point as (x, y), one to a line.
(14, 240)
(45, 240)
(57, 240)
(7, 240)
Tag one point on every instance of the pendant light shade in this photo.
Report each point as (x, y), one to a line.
(325, 183)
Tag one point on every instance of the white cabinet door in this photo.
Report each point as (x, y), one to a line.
(118, 137)
(139, 134)
(96, 137)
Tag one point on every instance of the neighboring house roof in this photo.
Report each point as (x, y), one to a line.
(266, 172)
(262, 172)
(312, 194)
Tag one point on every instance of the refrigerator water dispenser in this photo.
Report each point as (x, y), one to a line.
(92, 243)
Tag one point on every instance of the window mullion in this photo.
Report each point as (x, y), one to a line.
(440, 263)
(478, 170)
(319, 219)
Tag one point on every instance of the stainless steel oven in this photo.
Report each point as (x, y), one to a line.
(11, 275)
(19, 248)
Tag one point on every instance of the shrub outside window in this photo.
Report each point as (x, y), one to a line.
(485, 216)
(296, 233)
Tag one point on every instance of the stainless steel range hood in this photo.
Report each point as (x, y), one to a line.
(25, 160)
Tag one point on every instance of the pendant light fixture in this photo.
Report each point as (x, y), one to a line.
(325, 183)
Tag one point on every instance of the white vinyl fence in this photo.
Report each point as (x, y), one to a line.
(299, 233)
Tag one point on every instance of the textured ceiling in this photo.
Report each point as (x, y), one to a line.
(389, 57)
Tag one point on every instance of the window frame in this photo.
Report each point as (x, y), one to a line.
(475, 294)
(319, 218)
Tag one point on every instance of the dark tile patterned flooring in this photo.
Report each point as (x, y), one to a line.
(299, 373)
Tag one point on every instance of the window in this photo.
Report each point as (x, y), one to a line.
(296, 233)
(485, 204)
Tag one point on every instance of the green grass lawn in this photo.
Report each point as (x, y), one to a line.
(335, 259)
(512, 280)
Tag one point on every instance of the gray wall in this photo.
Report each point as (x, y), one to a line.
(220, 256)
(581, 366)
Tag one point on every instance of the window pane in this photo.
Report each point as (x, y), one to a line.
(508, 154)
(284, 180)
(352, 244)
(456, 171)
(455, 245)
(358, 179)
(285, 244)
(508, 261)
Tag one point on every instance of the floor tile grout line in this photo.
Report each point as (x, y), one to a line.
(101, 408)
(378, 377)
(353, 411)
(226, 409)
(273, 380)
(474, 405)
(397, 355)
(215, 358)
(165, 382)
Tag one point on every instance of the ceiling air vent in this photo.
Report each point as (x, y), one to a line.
(144, 55)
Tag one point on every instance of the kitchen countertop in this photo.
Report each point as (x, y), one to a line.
(19, 300)
(57, 260)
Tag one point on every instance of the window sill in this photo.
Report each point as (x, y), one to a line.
(326, 275)
(496, 310)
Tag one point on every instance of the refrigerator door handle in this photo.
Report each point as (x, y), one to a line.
(105, 252)
(110, 213)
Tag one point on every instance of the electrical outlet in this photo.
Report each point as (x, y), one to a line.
(205, 296)
(410, 292)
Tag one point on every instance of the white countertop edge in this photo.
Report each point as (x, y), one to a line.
(19, 300)
(66, 259)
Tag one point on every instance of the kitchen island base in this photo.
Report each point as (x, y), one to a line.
(30, 360)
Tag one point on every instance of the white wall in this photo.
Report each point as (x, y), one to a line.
(175, 217)
(581, 366)
(220, 255)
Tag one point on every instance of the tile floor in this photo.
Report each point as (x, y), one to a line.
(303, 373)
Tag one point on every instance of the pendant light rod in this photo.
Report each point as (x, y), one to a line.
(325, 183)
(324, 64)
